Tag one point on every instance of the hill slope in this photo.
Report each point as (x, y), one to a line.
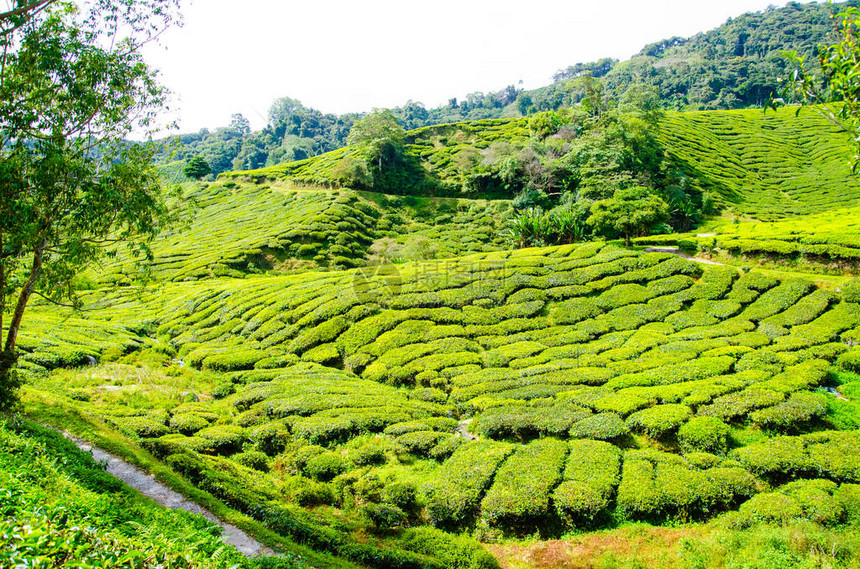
(331, 381)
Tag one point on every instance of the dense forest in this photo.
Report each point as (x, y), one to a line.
(736, 65)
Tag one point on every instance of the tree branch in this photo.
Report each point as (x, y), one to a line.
(61, 304)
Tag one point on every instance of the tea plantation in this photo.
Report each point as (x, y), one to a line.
(377, 414)
(378, 380)
(230, 229)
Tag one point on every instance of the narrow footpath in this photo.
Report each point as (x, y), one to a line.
(147, 485)
(676, 251)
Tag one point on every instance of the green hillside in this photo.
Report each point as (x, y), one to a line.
(60, 509)
(343, 403)
(765, 166)
(736, 65)
(297, 216)
(233, 229)
(597, 333)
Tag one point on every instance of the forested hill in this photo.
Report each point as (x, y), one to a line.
(733, 66)
(736, 65)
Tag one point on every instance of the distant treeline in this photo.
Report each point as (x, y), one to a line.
(736, 65)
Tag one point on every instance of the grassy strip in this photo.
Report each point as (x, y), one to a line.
(53, 411)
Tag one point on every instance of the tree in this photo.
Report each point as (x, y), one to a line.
(71, 92)
(197, 167)
(239, 125)
(379, 136)
(631, 211)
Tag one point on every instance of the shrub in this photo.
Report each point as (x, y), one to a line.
(659, 421)
(522, 422)
(452, 498)
(849, 496)
(384, 517)
(451, 551)
(309, 493)
(729, 484)
(325, 466)
(835, 454)
(141, 426)
(602, 427)
(790, 415)
(233, 360)
(253, 459)
(188, 423)
(655, 485)
(738, 404)
(445, 448)
(520, 494)
(804, 375)
(271, 438)
(688, 246)
(173, 444)
(420, 443)
(851, 291)
(224, 439)
(370, 453)
(777, 299)
(770, 508)
(589, 482)
(441, 424)
(224, 389)
(704, 434)
(779, 457)
(850, 361)
(702, 460)
(401, 494)
(637, 496)
(816, 500)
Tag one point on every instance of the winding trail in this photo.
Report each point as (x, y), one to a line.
(676, 251)
(147, 485)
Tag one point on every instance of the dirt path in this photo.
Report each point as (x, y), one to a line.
(147, 485)
(676, 251)
(463, 430)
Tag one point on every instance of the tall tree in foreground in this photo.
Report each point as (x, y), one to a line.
(73, 87)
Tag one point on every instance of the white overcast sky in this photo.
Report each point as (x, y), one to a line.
(351, 55)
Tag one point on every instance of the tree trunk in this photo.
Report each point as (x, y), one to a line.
(9, 382)
(23, 299)
(2, 290)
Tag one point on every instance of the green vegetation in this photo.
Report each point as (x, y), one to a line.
(61, 204)
(736, 65)
(341, 351)
(60, 507)
(338, 407)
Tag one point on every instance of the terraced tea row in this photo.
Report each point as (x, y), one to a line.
(830, 240)
(766, 166)
(568, 345)
(232, 230)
